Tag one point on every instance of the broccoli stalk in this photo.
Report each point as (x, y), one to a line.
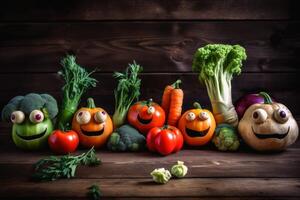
(77, 81)
(216, 64)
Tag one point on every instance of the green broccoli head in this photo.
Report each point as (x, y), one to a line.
(225, 138)
(30, 102)
(213, 60)
(126, 138)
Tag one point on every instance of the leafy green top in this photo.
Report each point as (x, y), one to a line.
(128, 88)
(77, 79)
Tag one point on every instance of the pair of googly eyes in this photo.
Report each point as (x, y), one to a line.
(260, 115)
(84, 117)
(192, 116)
(150, 110)
(18, 117)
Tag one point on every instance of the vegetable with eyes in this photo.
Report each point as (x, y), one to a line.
(93, 125)
(268, 126)
(197, 126)
(145, 115)
(31, 116)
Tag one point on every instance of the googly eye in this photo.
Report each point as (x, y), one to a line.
(83, 117)
(281, 115)
(151, 110)
(100, 116)
(36, 116)
(190, 116)
(259, 116)
(17, 117)
(203, 115)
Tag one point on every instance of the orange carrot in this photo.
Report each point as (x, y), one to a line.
(165, 102)
(176, 101)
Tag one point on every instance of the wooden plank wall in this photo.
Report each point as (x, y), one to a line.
(160, 35)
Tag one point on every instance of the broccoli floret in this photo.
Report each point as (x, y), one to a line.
(11, 107)
(31, 102)
(225, 138)
(126, 138)
(50, 105)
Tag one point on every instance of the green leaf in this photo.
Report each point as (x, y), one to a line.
(94, 192)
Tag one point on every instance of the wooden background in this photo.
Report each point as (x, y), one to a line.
(162, 36)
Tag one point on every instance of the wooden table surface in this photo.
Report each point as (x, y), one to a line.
(212, 175)
(162, 36)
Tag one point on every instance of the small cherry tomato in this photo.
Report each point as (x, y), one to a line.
(62, 142)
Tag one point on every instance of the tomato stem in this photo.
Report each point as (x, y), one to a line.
(64, 127)
(149, 101)
(166, 126)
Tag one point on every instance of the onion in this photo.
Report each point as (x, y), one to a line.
(243, 103)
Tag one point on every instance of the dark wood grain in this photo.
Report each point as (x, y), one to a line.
(162, 36)
(157, 46)
(202, 163)
(282, 86)
(197, 187)
(34, 10)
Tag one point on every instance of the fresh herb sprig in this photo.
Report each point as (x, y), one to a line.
(127, 91)
(52, 168)
(94, 192)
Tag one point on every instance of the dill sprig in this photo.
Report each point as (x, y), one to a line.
(127, 91)
(52, 168)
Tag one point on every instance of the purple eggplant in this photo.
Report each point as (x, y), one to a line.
(243, 103)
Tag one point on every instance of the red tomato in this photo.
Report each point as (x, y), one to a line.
(164, 140)
(63, 142)
(145, 115)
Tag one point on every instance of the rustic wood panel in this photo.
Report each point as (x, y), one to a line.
(197, 187)
(162, 36)
(282, 86)
(34, 10)
(272, 46)
(168, 198)
(204, 163)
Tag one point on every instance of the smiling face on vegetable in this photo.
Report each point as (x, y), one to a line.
(93, 125)
(145, 115)
(31, 117)
(32, 132)
(197, 126)
(268, 126)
